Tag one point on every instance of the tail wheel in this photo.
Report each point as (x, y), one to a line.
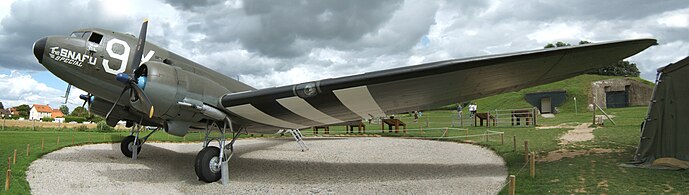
(127, 146)
(207, 164)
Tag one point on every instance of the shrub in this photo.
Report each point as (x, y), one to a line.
(75, 119)
(47, 119)
(103, 126)
(81, 128)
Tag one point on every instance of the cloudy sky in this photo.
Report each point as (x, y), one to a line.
(271, 43)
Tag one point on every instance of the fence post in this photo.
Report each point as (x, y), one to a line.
(42, 144)
(502, 139)
(496, 118)
(7, 180)
(488, 120)
(58, 140)
(426, 119)
(513, 184)
(534, 116)
(28, 149)
(514, 143)
(526, 150)
(532, 164)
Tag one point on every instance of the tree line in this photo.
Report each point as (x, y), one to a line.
(79, 114)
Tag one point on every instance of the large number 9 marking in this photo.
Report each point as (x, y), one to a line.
(123, 57)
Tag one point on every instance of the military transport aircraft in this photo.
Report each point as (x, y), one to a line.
(172, 93)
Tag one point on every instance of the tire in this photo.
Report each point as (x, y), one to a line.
(202, 165)
(124, 146)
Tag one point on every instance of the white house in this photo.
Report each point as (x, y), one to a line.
(38, 112)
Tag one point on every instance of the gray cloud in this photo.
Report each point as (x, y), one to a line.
(287, 29)
(28, 21)
(271, 43)
(196, 5)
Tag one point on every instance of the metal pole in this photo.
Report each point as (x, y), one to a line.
(426, 119)
(576, 112)
(497, 120)
(594, 110)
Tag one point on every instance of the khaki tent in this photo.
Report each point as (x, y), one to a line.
(665, 131)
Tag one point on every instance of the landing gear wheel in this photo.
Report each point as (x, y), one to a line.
(207, 164)
(127, 145)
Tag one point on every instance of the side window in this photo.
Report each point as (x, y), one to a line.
(96, 38)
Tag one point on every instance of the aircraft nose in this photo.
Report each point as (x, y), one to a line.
(39, 48)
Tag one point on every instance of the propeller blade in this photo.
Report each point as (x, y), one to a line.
(140, 93)
(115, 103)
(140, 46)
(89, 101)
(69, 86)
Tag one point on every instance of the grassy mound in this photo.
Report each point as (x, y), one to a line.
(579, 87)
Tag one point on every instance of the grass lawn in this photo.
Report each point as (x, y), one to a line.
(596, 173)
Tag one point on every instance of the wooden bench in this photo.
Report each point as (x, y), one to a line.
(393, 122)
(484, 116)
(518, 114)
(349, 126)
(326, 129)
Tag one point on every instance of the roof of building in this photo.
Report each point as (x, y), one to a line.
(56, 114)
(43, 108)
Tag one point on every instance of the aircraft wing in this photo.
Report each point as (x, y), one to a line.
(419, 87)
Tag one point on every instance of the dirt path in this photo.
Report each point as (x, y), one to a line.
(580, 133)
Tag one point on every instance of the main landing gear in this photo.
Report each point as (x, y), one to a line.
(211, 162)
(131, 145)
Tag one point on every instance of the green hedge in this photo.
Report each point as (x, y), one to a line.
(75, 119)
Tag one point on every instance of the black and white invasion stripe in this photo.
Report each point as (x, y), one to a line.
(294, 112)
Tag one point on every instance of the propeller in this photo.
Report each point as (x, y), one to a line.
(69, 87)
(88, 98)
(129, 80)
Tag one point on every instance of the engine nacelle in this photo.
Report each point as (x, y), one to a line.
(101, 107)
(167, 85)
(178, 128)
(159, 82)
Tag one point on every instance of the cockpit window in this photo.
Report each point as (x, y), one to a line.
(95, 37)
(77, 34)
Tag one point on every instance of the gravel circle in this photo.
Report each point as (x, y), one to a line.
(366, 165)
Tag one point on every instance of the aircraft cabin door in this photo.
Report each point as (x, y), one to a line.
(92, 50)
